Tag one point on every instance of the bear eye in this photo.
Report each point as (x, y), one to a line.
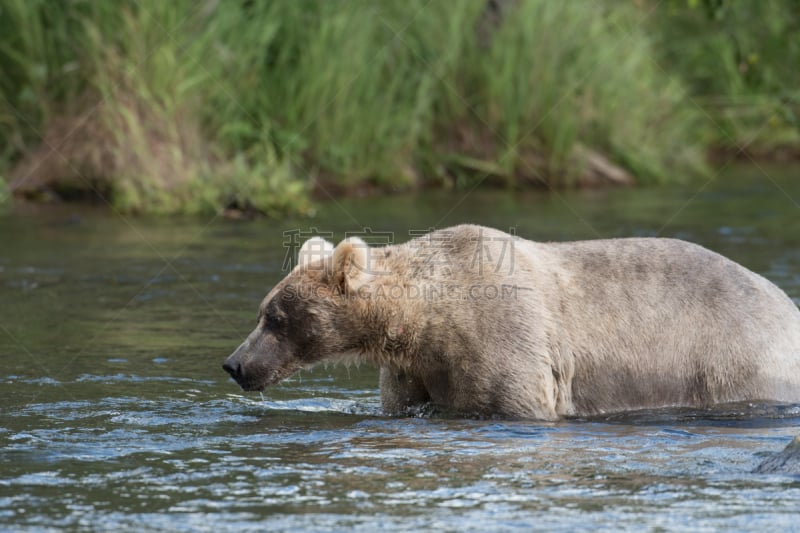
(274, 321)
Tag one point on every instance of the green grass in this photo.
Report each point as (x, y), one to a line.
(141, 105)
(739, 60)
(5, 195)
(561, 74)
(190, 107)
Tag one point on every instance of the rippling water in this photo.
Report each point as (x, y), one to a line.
(115, 412)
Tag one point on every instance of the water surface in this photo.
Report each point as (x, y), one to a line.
(115, 413)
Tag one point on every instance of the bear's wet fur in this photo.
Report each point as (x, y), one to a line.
(480, 322)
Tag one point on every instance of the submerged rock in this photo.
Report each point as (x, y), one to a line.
(785, 462)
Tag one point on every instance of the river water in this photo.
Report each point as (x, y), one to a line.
(115, 412)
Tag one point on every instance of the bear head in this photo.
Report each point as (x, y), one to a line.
(314, 314)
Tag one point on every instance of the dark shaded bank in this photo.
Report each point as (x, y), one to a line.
(186, 107)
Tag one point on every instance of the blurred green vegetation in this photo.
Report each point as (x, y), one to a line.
(740, 60)
(194, 106)
(5, 194)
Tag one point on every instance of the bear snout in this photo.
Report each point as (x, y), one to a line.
(234, 368)
(239, 364)
(259, 362)
(246, 380)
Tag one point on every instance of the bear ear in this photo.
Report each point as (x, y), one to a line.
(313, 249)
(350, 265)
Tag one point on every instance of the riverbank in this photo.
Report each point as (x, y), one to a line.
(259, 107)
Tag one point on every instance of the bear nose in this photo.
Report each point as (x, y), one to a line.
(233, 368)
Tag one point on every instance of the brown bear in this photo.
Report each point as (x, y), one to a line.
(484, 323)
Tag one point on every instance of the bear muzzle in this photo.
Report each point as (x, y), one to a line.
(258, 363)
(236, 369)
(248, 379)
(237, 366)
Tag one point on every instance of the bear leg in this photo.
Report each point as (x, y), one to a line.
(400, 393)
